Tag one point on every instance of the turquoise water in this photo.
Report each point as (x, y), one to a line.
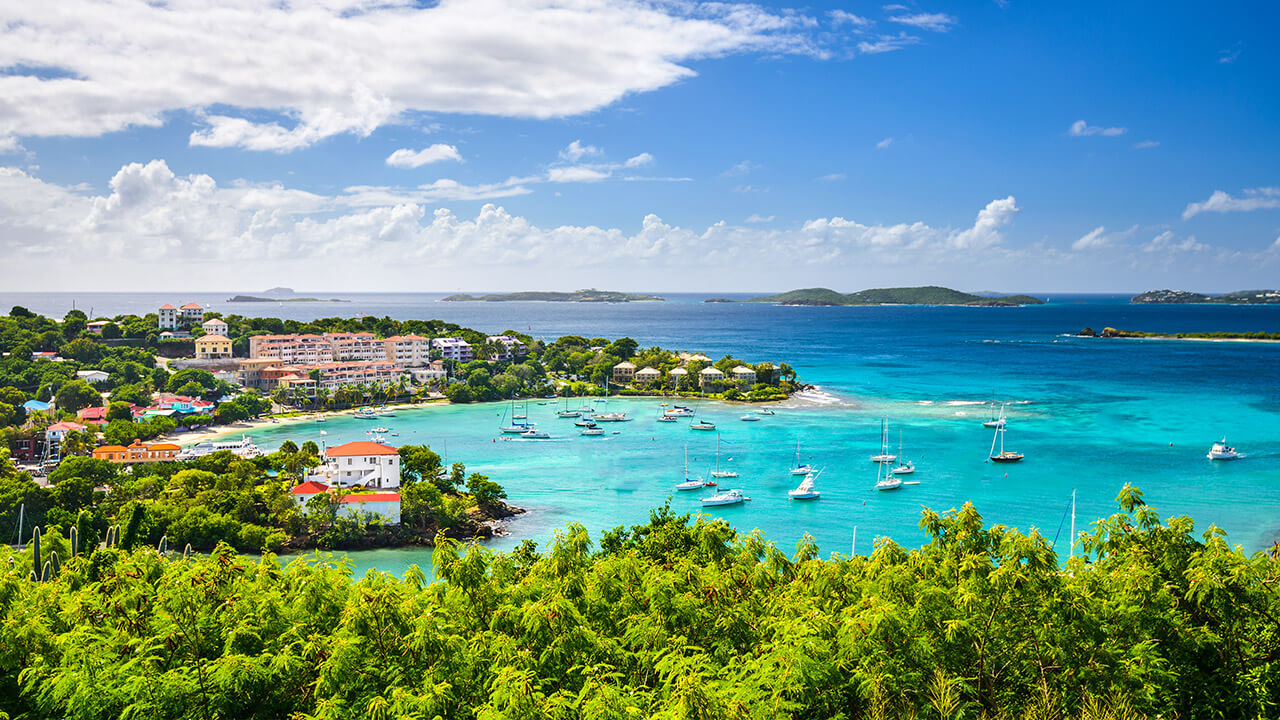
(1090, 415)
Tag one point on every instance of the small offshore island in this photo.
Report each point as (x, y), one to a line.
(279, 294)
(927, 295)
(1111, 332)
(1240, 297)
(590, 295)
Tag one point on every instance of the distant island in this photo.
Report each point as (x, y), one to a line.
(928, 295)
(1111, 332)
(257, 299)
(1240, 297)
(588, 295)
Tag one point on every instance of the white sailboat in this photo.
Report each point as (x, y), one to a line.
(885, 479)
(689, 484)
(904, 467)
(800, 469)
(718, 473)
(702, 425)
(996, 421)
(885, 456)
(1004, 456)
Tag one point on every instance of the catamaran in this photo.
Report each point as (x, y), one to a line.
(885, 456)
(805, 490)
(800, 469)
(904, 467)
(718, 473)
(996, 421)
(1004, 456)
(1223, 451)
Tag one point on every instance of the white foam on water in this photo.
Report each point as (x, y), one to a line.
(960, 403)
(814, 396)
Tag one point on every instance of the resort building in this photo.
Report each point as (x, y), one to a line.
(678, 375)
(93, 377)
(175, 334)
(214, 326)
(648, 376)
(98, 415)
(192, 313)
(512, 348)
(293, 349)
(624, 372)
(386, 504)
(96, 326)
(168, 317)
(137, 452)
(744, 375)
(213, 347)
(337, 374)
(708, 377)
(363, 463)
(408, 350)
(356, 346)
(435, 372)
(454, 348)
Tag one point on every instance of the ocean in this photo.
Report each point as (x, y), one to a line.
(1090, 415)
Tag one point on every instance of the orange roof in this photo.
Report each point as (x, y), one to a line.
(213, 338)
(192, 305)
(167, 306)
(110, 448)
(163, 446)
(371, 497)
(310, 487)
(361, 447)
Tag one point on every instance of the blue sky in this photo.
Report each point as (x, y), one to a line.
(530, 144)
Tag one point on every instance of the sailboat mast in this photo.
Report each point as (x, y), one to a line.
(1071, 553)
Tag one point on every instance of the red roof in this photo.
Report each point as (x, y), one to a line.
(66, 426)
(213, 338)
(310, 487)
(91, 413)
(192, 305)
(371, 497)
(361, 447)
(167, 306)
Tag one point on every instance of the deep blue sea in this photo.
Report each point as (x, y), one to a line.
(1090, 414)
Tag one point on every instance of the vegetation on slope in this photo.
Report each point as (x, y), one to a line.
(928, 295)
(671, 619)
(1240, 297)
(1111, 332)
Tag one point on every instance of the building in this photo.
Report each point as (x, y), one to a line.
(214, 326)
(512, 348)
(433, 373)
(355, 346)
(57, 431)
(648, 376)
(408, 350)
(708, 377)
(96, 326)
(136, 452)
(624, 372)
(454, 348)
(338, 374)
(292, 349)
(93, 377)
(168, 315)
(386, 504)
(744, 375)
(677, 376)
(98, 415)
(364, 463)
(192, 313)
(213, 347)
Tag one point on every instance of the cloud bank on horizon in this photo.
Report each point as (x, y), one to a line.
(645, 140)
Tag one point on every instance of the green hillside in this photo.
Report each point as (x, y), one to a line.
(1239, 297)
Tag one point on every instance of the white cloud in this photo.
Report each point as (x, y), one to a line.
(1080, 128)
(1167, 242)
(406, 158)
(1228, 56)
(756, 218)
(1264, 198)
(576, 173)
(1146, 144)
(842, 17)
(267, 75)
(575, 151)
(642, 160)
(885, 143)
(887, 43)
(937, 22)
(743, 168)
(9, 144)
(986, 229)
(1091, 240)
(832, 177)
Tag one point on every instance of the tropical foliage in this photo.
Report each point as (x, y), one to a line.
(676, 618)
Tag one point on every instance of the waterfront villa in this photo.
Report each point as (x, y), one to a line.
(364, 463)
(192, 312)
(214, 326)
(677, 375)
(93, 377)
(648, 376)
(744, 375)
(454, 348)
(708, 377)
(624, 372)
(213, 347)
(168, 315)
(408, 350)
(512, 347)
(137, 452)
(386, 504)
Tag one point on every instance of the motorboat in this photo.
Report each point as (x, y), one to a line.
(1004, 456)
(535, 435)
(365, 414)
(379, 430)
(728, 497)
(668, 418)
(321, 419)
(718, 473)
(884, 456)
(750, 418)
(765, 411)
(384, 412)
(805, 490)
(585, 423)
(591, 431)
(613, 417)
(679, 411)
(702, 425)
(1223, 451)
(242, 448)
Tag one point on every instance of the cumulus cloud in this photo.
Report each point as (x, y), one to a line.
(406, 158)
(1264, 198)
(1080, 128)
(885, 143)
(843, 17)
(642, 160)
(575, 151)
(937, 22)
(1168, 242)
(266, 75)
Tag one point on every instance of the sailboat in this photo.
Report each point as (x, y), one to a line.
(566, 412)
(690, 484)
(800, 469)
(1004, 456)
(996, 421)
(885, 479)
(805, 490)
(885, 456)
(702, 425)
(518, 426)
(718, 473)
(904, 467)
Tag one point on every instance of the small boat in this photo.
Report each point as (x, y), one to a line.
(904, 467)
(728, 497)
(805, 490)
(885, 456)
(679, 411)
(765, 411)
(1223, 451)
(996, 421)
(591, 431)
(365, 415)
(1004, 456)
(586, 410)
(667, 418)
(320, 419)
(750, 418)
(516, 429)
(690, 484)
(378, 439)
(613, 417)
(535, 435)
(380, 430)
(800, 469)
(889, 482)
(718, 473)
(568, 414)
(585, 423)
(702, 425)
(384, 412)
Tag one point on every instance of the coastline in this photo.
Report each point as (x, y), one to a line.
(1175, 337)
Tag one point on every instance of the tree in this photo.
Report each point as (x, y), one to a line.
(82, 350)
(484, 491)
(77, 394)
(97, 471)
(623, 348)
(420, 462)
(132, 395)
(231, 412)
(180, 379)
(119, 410)
(110, 331)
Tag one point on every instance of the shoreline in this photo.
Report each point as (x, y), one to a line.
(1174, 337)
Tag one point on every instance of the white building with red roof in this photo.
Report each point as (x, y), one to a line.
(168, 317)
(57, 431)
(367, 464)
(386, 504)
(193, 312)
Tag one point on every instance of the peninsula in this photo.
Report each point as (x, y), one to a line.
(590, 295)
(928, 295)
(1176, 297)
(1111, 332)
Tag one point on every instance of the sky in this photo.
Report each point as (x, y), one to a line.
(660, 145)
